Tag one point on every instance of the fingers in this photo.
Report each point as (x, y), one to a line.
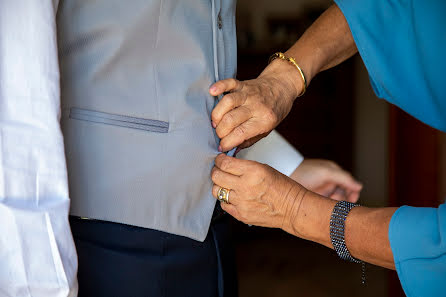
(353, 197)
(231, 209)
(326, 190)
(345, 180)
(226, 85)
(227, 174)
(339, 194)
(224, 179)
(226, 104)
(231, 165)
(239, 135)
(231, 120)
(232, 194)
(350, 187)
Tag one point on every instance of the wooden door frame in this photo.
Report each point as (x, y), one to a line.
(414, 158)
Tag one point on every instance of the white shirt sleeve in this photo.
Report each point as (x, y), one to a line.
(274, 151)
(37, 252)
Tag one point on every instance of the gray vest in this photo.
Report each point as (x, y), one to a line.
(136, 110)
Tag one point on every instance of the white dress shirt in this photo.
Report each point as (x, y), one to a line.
(275, 151)
(37, 251)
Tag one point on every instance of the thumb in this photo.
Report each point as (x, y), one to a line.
(223, 86)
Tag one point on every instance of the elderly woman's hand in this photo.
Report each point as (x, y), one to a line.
(259, 195)
(253, 108)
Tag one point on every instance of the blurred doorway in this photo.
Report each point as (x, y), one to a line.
(415, 168)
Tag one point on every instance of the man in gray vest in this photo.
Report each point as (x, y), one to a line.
(139, 145)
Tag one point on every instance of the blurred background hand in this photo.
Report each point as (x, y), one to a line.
(328, 179)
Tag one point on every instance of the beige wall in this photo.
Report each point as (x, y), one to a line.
(371, 145)
(259, 10)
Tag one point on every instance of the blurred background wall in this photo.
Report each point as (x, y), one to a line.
(341, 119)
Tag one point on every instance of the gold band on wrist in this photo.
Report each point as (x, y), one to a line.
(291, 60)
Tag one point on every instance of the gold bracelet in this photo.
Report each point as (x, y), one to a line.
(291, 60)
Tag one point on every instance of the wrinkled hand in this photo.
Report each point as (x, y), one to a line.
(251, 109)
(259, 195)
(327, 179)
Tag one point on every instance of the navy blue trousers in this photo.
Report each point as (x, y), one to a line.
(117, 260)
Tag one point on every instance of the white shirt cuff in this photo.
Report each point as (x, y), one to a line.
(274, 151)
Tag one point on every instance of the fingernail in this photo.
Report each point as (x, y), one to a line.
(214, 125)
(220, 149)
(213, 89)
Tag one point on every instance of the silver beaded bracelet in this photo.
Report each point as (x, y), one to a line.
(337, 228)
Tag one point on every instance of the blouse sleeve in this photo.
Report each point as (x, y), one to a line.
(402, 44)
(418, 241)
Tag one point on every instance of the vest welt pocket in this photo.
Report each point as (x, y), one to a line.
(118, 120)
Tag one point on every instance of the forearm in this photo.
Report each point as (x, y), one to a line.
(366, 229)
(325, 44)
(366, 235)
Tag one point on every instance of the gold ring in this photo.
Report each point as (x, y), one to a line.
(223, 195)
